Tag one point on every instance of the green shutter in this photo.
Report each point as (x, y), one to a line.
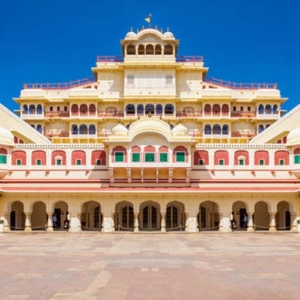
(180, 157)
(149, 157)
(163, 157)
(135, 157)
(78, 162)
(98, 162)
(281, 162)
(241, 162)
(19, 162)
(221, 162)
(58, 162)
(297, 159)
(201, 162)
(2, 159)
(119, 157)
(38, 162)
(261, 162)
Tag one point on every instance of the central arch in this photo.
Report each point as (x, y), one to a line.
(17, 216)
(124, 216)
(175, 216)
(91, 217)
(208, 216)
(150, 218)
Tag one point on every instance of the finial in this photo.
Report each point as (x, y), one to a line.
(131, 29)
(156, 27)
(148, 19)
(161, 30)
(143, 27)
(168, 29)
(137, 30)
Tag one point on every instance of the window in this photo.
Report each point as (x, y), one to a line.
(98, 162)
(65, 108)
(58, 108)
(3, 159)
(241, 162)
(58, 162)
(38, 162)
(149, 157)
(297, 159)
(180, 156)
(78, 162)
(261, 162)
(19, 162)
(135, 157)
(163, 157)
(130, 79)
(221, 162)
(169, 79)
(119, 156)
(201, 162)
(281, 162)
(234, 108)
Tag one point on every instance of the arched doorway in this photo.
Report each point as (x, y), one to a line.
(17, 216)
(240, 215)
(208, 216)
(150, 216)
(175, 216)
(91, 217)
(124, 217)
(60, 210)
(39, 217)
(261, 217)
(283, 216)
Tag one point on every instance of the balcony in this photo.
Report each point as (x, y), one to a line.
(57, 114)
(52, 134)
(243, 114)
(115, 114)
(185, 114)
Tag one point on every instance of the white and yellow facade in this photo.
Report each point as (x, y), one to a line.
(150, 143)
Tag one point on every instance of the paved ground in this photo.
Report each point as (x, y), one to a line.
(149, 266)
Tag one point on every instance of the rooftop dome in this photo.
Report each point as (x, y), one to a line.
(119, 129)
(130, 35)
(168, 34)
(6, 137)
(179, 130)
(293, 138)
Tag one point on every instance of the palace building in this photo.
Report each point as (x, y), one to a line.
(150, 143)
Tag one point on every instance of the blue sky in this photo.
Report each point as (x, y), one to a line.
(58, 40)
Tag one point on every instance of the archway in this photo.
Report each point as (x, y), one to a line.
(208, 216)
(91, 217)
(175, 216)
(261, 217)
(17, 216)
(124, 216)
(283, 216)
(240, 214)
(39, 217)
(150, 218)
(61, 210)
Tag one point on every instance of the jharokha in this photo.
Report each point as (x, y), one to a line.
(149, 143)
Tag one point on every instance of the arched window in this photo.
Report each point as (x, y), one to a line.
(74, 129)
(225, 130)
(140, 109)
(131, 50)
(216, 109)
(83, 109)
(225, 109)
(92, 110)
(158, 50)
(32, 109)
(217, 129)
(92, 129)
(25, 109)
(74, 109)
(268, 109)
(149, 109)
(141, 50)
(149, 49)
(159, 109)
(168, 50)
(207, 109)
(130, 110)
(39, 109)
(39, 128)
(207, 129)
(275, 109)
(83, 129)
(169, 109)
(261, 109)
(260, 128)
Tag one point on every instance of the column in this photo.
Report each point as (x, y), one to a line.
(28, 222)
(250, 221)
(293, 221)
(6, 221)
(191, 221)
(163, 222)
(136, 222)
(272, 226)
(221, 221)
(113, 222)
(75, 223)
(107, 221)
(49, 222)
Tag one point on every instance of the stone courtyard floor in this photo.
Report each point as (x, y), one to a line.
(149, 266)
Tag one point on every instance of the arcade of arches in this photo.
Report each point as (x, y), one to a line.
(150, 215)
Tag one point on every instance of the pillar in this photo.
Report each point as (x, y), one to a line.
(224, 224)
(107, 222)
(191, 222)
(250, 221)
(113, 222)
(272, 225)
(28, 222)
(75, 223)
(49, 222)
(293, 221)
(136, 222)
(163, 222)
(6, 221)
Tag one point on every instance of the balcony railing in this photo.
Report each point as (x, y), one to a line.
(59, 85)
(245, 114)
(184, 114)
(116, 114)
(240, 86)
(189, 59)
(59, 114)
(110, 58)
